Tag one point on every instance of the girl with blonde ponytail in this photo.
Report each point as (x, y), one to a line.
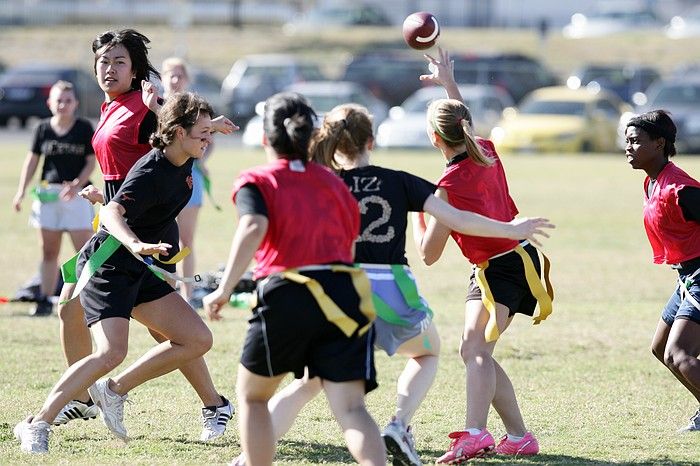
(404, 321)
(510, 276)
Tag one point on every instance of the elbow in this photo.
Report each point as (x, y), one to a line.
(429, 260)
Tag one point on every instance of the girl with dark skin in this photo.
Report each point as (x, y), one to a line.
(672, 223)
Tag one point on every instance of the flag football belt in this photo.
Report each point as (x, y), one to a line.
(540, 287)
(207, 186)
(330, 309)
(407, 287)
(684, 289)
(105, 251)
(44, 194)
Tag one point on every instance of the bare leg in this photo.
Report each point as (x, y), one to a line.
(111, 340)
(254, 420)
(187, 222)
(286, 404)
(482, 373)
(418, 375)
(75, 336)
(506, 405)
(362, 435)
(188, 338)
(197, 374)
(658, 348)
(682, 350)
(79, 238)
(48, 270)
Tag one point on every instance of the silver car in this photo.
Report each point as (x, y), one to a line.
(406, 125)
(323, 96)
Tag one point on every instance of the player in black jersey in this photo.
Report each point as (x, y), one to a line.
(118, 283)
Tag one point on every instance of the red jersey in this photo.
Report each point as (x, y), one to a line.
(672, 238)
(116, 139)
(313, 218)
(484, 190)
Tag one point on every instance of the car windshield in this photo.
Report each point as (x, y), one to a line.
(553, 107)
(324, 103)
(680, 94)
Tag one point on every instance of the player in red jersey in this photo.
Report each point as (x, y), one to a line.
(122, 137)
(672, 223)
(314, 310)
(506, 279)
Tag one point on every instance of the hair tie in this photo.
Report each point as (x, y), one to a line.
(286, 121)
(344, 123)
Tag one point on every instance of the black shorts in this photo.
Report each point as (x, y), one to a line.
(121, 283)
(288, 331)
(505, 276)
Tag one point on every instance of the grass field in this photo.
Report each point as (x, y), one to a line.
(587, 383)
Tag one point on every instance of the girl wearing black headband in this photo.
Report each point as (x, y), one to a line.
(671, 220)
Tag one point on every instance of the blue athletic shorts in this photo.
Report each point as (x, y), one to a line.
(678, 308)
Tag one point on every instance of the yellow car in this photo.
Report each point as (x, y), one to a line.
(559, 119)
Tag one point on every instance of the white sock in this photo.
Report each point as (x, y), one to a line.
(514, 438)
(473, 431)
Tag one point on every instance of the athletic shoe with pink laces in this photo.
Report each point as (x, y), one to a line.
(465, 446)
(526, 446)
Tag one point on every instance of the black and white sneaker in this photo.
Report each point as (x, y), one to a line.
(214, 420)
(76, 409)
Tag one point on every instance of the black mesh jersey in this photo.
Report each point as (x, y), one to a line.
(153, 193)
(385, 198)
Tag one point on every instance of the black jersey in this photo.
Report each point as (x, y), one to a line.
(64, 156)
(153, 193)
(385, 198)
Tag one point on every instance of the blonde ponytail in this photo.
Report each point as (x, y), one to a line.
(452, 121)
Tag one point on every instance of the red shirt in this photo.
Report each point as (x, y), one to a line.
(672, 238)
(313, 218)
(116, 139)
(484, 190)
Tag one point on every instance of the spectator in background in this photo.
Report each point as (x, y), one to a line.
(175, 76)
(64, 142)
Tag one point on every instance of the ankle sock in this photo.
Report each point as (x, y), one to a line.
(473, 431)
(515, 438)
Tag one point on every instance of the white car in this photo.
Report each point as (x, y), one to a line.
(323, 96)
(406, 125)
(612, 18)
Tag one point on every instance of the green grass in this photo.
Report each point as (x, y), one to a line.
(587, 383)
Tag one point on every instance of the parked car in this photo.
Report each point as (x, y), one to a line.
(684, 25)
(338, 16)
(406, 125)
(681, 97)
(518, 74)
(390, 75)
(256, 77)
(559, 119)
(623, 80)
(323, 96)
(612, 18)
(25, 88)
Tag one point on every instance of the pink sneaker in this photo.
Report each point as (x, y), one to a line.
(465, 446)
(526, 446)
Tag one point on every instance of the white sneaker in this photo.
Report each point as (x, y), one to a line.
(33, 437)
(214, 421)
(238, 460)
(111, 407)
(398, 440)
(76, 409)
(693, 425)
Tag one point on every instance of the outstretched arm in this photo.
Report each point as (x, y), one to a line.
(443, 73)
(474, 224)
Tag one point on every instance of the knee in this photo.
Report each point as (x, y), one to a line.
(202, 342)
(471, 352)
(675, 358)
(658, 353)
(111, 358)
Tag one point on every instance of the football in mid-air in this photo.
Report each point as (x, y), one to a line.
(421, 30)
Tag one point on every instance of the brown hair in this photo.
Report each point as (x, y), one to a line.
(180, 110)
(62, 85)
(451, 120)
(347, 128)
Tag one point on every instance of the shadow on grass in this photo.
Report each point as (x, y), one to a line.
(318, 453)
